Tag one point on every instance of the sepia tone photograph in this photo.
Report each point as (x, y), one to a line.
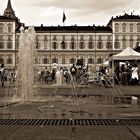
(69, 70)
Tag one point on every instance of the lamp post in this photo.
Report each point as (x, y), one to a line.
(95, 45)
(77, 43)
(50, 49)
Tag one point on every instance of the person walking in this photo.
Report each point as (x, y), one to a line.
(73, 71)
(2, 73)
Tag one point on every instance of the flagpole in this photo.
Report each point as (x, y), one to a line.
(64, 17)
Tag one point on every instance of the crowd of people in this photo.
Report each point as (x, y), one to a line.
(125, 74)
(77, 73)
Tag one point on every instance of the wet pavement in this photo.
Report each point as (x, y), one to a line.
(92, 102)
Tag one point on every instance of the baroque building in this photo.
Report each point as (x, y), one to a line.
(65, 44)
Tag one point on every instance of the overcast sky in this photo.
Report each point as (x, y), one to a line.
(80, 12)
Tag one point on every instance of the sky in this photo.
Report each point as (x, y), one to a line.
(80, 12)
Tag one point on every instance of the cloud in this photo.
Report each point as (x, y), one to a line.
(79, 7)
(77, 11)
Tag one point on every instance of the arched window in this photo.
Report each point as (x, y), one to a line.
(131, 27)
(123, 27)
(116, 27)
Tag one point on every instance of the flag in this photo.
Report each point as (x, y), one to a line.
(64, 17)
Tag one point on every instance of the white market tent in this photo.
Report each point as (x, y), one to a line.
(126, 55)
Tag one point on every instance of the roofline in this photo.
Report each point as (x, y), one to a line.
(69, 29)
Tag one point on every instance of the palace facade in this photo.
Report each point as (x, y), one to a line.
(65, 44)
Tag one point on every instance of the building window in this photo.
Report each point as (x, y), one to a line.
(72, 45)
(123, 27)
(9, 45)
(63, 45)
(9, 28)
(124, 42)
(1, 45)
(63, 60)
(90, 61)
(1, 61)
(17, 44)
(108, 45)
(54, 60)
(90, 45)
(72, 61)
(81, 45)
(45, 61)
(37, 45)
(1, 28)
(131, 41)
(131, 27)
(116, 27)
(54, 45)
(9, 61)
(138, 27)
(117, 45)
(45, 41)
(100, 45)
(99, 60)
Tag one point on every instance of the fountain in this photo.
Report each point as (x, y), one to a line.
(77, 101)
(26, 67)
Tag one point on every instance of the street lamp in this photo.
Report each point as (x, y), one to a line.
(77, 42)
(50, 49)
(95, 44)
